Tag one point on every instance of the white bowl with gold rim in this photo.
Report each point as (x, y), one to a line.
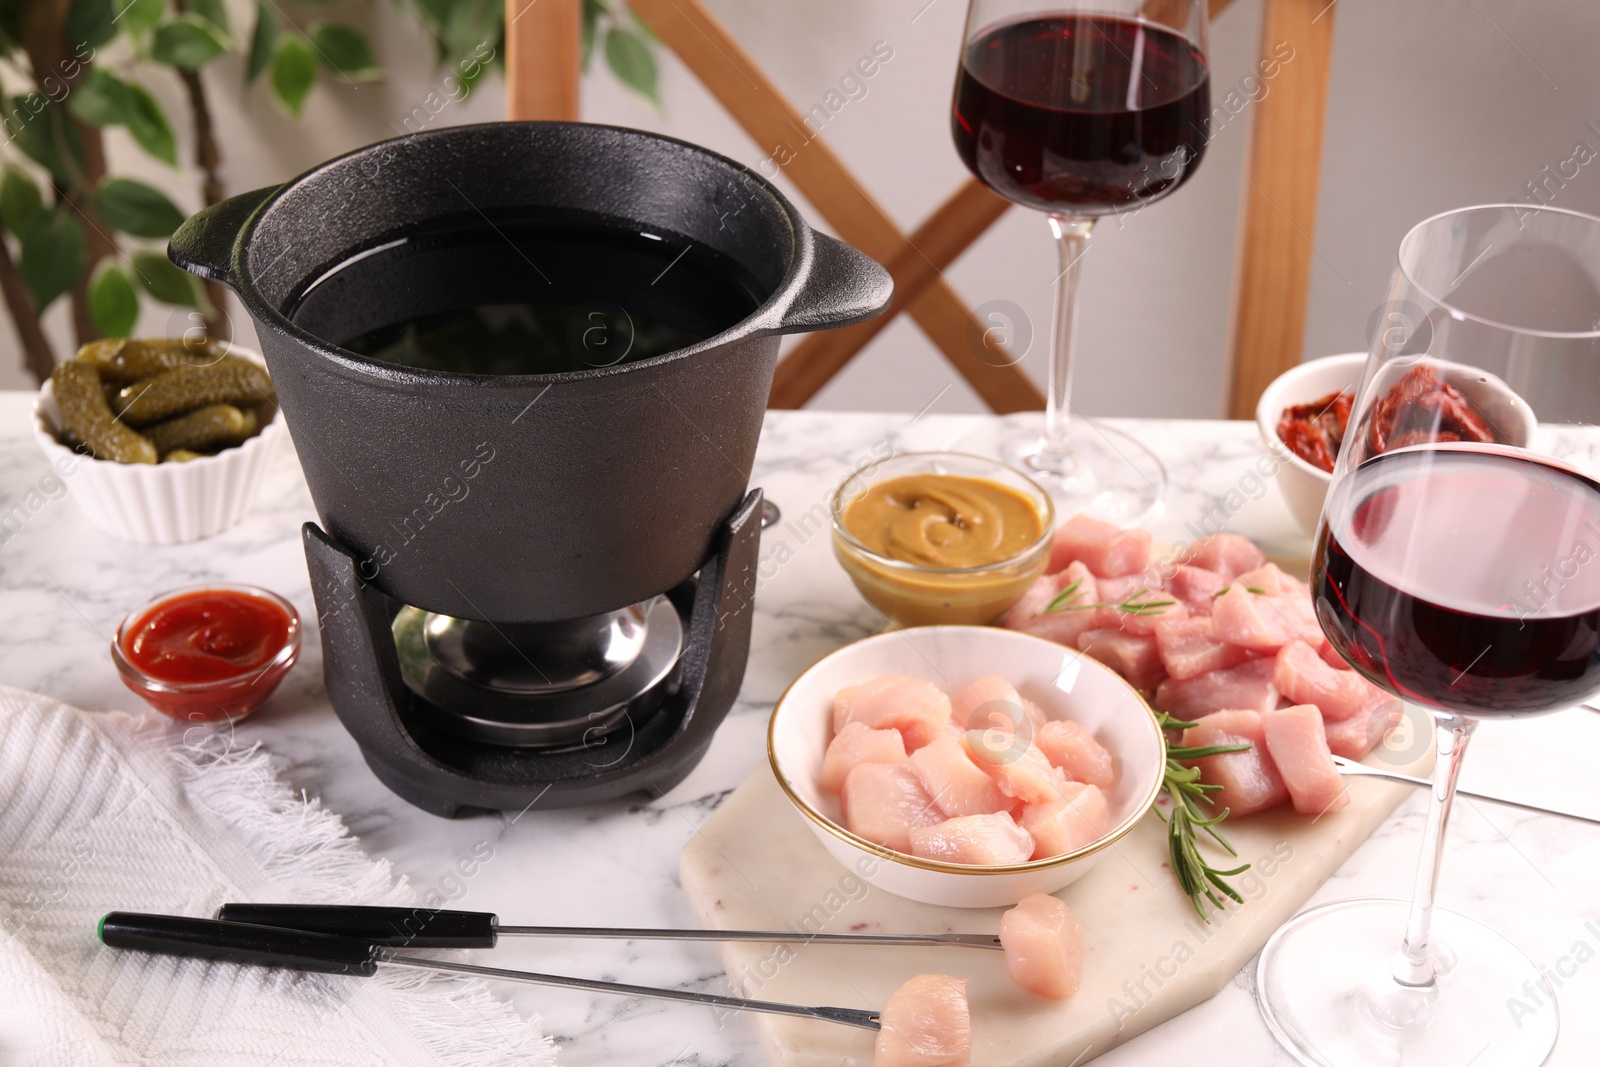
(1062, 681)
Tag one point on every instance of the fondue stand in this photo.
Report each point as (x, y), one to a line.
(616, 863)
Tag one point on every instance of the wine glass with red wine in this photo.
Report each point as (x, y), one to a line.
(1082, 110)
(1458, 567)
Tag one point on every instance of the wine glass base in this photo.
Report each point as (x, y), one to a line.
(1104, 472)
(1324, 987)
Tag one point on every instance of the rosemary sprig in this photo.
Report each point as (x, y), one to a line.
(1248, 589)
(1131, 604)
(1194, 872)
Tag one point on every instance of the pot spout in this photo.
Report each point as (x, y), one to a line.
(206, 243)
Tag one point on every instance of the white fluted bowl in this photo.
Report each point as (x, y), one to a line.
(161, 503)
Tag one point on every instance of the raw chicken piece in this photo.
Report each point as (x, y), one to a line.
(1070, 746)
(918, 709)
(1228, 554)
(1064, 624)
(1065, 825)
(996, 702)
(925, 1024)
(1331, 657)
(1022, 773)
(1271, 580)
(1250, 781)
(884, 804)
(956, 784)
(1298, 746)
(980, 840)
(1354, 737)
(1298, 611)
(1043, 945)
(1106, 550)
(1036, 716)
(1187, 648)
(1196, 587)
(1250, 620)
(1156, 607)
(1249, 685)
(1135, 658)
(1116, 590)
(1305, 678)
(856, 744)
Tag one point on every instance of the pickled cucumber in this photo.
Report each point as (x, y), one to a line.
(125, 360)
(181, 455)
(230, 380)
(86, 415)
(213, 426)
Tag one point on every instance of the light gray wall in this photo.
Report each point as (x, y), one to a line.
(1435, 103)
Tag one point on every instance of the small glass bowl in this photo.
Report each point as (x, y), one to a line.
(230, 698)
(916, 594)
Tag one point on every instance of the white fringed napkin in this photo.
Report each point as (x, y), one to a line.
(104, 812)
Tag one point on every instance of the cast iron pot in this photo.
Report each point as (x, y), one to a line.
(526, 498)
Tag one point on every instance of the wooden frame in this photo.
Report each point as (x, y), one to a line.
(1278, 218)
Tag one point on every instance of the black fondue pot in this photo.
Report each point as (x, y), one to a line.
(525, 497)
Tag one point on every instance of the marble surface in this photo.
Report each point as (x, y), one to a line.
(64, 586)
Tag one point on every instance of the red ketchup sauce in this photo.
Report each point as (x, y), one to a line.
(209, 653)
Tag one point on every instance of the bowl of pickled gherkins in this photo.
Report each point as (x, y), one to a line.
(162, 440)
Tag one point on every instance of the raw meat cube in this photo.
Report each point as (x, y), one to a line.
(918, 709)
(925, 1024)
(956, 784)
(1135, 658)
(1249, 685)
(1077, 818)
(884, 804)
(1298, 746)
(1105, 549)
(980, 840)
(1271, 580)
(1250, 620)
(1187, 648)
(1196, 587)
(1228, 554)
(1036, 716)
(1305, 678)
(1116, 590)
(1250, 781)
(1070, 746)
(1044, 946)
(1354, 737)
(995, 701)
(1064, 624)
(858, 743)
(1298, 611)
(1021, 771)
(1157, 607)
(1331, 657)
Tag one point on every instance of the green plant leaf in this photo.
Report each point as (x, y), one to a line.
(90, 22)
(292, 72)
(136, 208)
(591, 22)
(187, 41)
(134, 17)
(344, 51)
(54, 255)
(213, 11)
(158, 277)
(261, 42)
(113, 301)
(45, 136)
(101, 99)
(20, 200)
(149, 126)
(632, 62)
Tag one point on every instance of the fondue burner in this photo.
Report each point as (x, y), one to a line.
(454, 714)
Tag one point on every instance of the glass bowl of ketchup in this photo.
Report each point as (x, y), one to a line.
(208, 652)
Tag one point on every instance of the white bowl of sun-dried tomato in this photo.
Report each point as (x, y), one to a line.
(1314, 382)
(1302, 417)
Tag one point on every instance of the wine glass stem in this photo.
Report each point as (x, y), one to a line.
(1411, 965)
(1072, 241)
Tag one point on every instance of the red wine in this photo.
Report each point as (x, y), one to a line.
(1466, 578)
(1081, 114)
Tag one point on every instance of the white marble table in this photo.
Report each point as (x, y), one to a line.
(64, 586)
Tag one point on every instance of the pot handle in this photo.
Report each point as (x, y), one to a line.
(204, 244)
(842, 288)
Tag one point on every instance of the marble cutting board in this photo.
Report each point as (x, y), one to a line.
(755, 865)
